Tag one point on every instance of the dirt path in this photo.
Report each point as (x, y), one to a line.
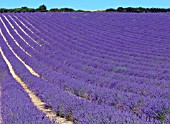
(29, 28)
(12, 36)
(35, 100)
(27, 66)
(29, 24)
(22, 24)
(21, 30)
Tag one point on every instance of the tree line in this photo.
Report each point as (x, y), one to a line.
(138, 9)
(43, 8)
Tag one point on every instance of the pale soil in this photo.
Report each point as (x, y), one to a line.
(27, 66)
(22, 30)
(35, 100)
(30, 29)
(13, 37)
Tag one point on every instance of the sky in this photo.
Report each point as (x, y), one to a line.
(85, 4)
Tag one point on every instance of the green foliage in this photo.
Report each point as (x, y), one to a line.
(43, 8)
(62, 10)
(17, 10)
(120, 9)
(79, 10)
(66, 10)
(110, 10)
(161, 117)
(3, 10)
(139, 9)
(54, 10)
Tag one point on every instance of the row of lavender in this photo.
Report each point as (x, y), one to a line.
(110, 67)
(102, 73)
(16, 105)
(158, 92)
(68, 73)
(62, 102)
(106, 74)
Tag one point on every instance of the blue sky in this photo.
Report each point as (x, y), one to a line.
(85, 4)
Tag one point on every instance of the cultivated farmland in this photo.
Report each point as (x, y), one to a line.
(85, 68)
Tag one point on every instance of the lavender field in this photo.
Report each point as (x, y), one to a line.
(85, 68)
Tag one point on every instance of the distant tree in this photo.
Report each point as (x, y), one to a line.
(24, 9)
(140, 9)
(66, 10)
(17, 10)
(120, 9)
(2, 10)
(110, 10)
(10, 10)
(80, 11)
(54, 10)
(42, 8)
(129, 9)
(31, 10)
